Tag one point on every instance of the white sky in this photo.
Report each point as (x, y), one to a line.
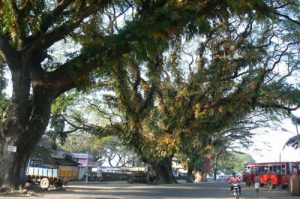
(268, 144)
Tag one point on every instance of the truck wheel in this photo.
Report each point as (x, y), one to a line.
(58, 183)
(45, 183)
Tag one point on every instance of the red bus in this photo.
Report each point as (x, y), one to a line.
(270, 173)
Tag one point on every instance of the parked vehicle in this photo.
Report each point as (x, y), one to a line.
(49, 176)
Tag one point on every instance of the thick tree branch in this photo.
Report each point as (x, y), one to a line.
(7, 53)
(284, 5)
(51, 17)
(287, 17)
(278, 106)
(47, 39)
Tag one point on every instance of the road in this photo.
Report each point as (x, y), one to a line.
(205, 190)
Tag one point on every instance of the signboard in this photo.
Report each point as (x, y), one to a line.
(12, 148)
(83, 162)
(94, 169)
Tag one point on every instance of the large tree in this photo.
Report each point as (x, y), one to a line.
(30, 32)
(234, 74)
(167, 103)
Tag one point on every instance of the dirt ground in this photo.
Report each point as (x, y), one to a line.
(122, 190)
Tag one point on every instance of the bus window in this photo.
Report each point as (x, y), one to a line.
(271, 169)
(247, 169)
(283, 169)
(278, 169)
(254, 169)
(288, 169)
(260, 169)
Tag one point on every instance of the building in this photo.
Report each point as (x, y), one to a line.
(87, 165)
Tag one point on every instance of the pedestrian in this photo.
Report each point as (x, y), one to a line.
(270, 185)
(257, 184)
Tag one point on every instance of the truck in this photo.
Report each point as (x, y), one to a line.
(49, 176)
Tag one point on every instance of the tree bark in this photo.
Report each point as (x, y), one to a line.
(13, 165)
(216, 166)
(164, 172)
(190, 177)
(27, 120)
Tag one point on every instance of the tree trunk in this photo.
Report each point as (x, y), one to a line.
(164, 172)
(27, 120)
(190, 177)
(216, 166)
(13, 164)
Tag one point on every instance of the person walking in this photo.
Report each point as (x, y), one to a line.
(257, 184)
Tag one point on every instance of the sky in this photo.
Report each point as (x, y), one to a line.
(268, 144)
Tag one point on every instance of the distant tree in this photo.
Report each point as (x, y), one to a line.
(107, 150)
(234, 162)
(112, 151)
(293, 142)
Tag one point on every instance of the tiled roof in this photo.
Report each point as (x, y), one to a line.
(65, 162)
(42, 155)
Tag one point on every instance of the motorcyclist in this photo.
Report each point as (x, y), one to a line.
(235, 179)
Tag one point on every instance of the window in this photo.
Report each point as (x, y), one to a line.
(247, 169)
(254, 169)
(283, 169)
(260, 169)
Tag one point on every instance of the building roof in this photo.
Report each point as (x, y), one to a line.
(65, 162)
(82, 155)
(42, 155)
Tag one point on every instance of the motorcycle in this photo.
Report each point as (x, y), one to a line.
(235, 190)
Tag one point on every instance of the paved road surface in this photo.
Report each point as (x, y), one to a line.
(206, 190)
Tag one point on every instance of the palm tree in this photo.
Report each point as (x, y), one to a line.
(295, 140)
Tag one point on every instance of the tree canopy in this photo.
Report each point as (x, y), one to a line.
(242, 54)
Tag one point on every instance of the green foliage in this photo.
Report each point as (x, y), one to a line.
(226, 84)
(7, 17)
(234, 162)
(64, 101)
